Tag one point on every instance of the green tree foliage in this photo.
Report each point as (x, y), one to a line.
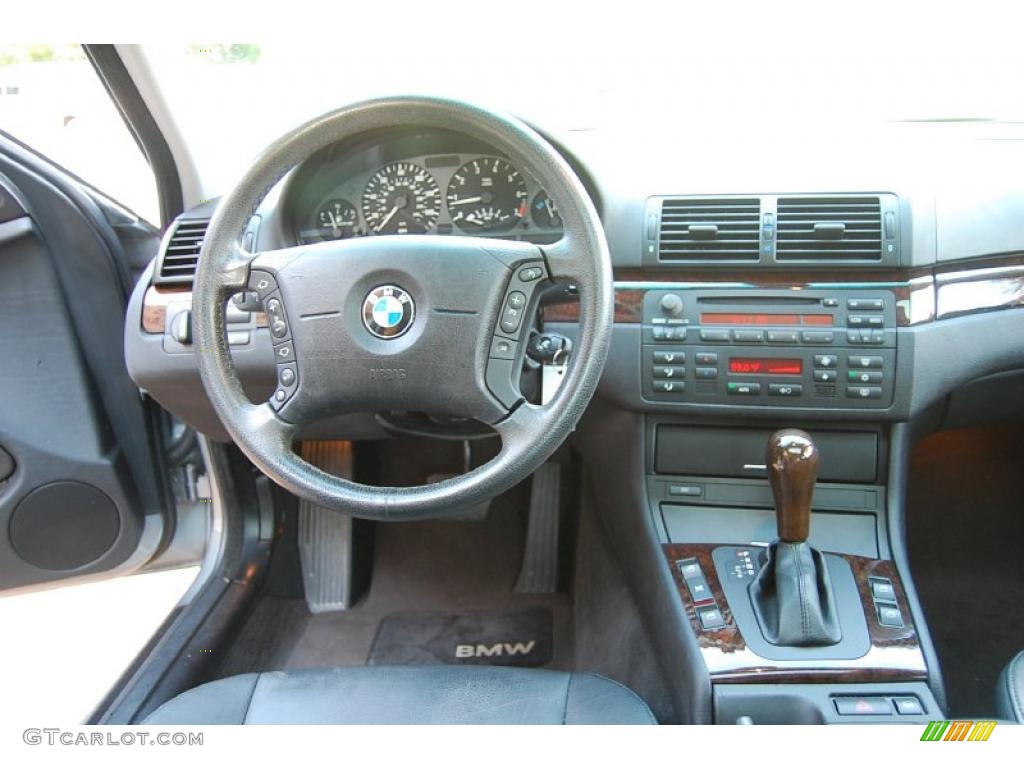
(35, 53)
(221, 53)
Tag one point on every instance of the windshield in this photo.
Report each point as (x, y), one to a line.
(232, 100)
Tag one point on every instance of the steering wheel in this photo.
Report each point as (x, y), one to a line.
(402, 322)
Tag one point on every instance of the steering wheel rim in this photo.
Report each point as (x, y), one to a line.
(529, 434)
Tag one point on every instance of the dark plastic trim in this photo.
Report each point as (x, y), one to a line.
(172, 663)
(899, 466)
(143, 127)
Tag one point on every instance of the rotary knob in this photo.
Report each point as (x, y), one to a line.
(672, 305)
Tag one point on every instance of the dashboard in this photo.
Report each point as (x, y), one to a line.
(414, 183)
(722, 254)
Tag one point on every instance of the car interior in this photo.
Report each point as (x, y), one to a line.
(470, 419)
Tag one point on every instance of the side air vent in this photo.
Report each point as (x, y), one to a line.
(829, 228)
(178, 261)
(709, 229)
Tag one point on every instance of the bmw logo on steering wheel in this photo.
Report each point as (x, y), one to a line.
(388, 311)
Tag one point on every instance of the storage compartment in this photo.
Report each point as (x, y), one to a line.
(830, 532)
(850, 457)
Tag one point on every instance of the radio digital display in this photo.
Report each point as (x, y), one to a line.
(764, 318)
(763, 365)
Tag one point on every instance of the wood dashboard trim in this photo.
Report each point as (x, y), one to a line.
(157, 299)
(894, 655)
(922, 295)
(154, 305)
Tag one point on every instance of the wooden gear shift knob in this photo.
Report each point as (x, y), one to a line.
(792, 460)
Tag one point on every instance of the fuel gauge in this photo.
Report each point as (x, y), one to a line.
(336, 220)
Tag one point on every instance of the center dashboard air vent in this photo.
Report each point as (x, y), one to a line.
(829, 228)
(179, 259)
(709, 229)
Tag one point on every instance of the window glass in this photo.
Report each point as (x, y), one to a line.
(52, 100)
(231, 100)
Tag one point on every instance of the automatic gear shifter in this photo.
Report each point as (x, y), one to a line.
(792, 594)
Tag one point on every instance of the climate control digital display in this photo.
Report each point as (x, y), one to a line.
(770, 366)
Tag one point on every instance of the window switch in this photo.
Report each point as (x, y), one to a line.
(689, 569)
(889, 615)
(883, 591)
(908, 705)
(710, 617)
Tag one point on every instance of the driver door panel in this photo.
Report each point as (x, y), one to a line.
(80, 492)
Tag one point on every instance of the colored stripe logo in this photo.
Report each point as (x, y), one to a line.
(958, 730)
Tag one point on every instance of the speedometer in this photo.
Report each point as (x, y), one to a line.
(486, 194)
(401, 198)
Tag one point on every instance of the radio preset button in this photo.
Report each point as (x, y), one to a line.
(865, 304)
(785, 390)
(743, 388)
(818, 337)
(669, 357)
(714, 335)
(706, 358)
(783, 337)
(748, 336)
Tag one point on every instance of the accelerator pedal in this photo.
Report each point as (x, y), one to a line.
(539, 572)
(325, 536)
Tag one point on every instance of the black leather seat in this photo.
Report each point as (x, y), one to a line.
(407, 695)
(1010, 691)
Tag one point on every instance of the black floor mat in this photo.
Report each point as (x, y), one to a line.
(458, 569)
(518, 639)
(965, 528)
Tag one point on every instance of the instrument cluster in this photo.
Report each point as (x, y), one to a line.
(417, 185)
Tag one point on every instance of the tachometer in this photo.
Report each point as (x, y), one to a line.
(401, 198)
(336, 219)
(486, 194)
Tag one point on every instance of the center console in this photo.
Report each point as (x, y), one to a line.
(799, 616)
